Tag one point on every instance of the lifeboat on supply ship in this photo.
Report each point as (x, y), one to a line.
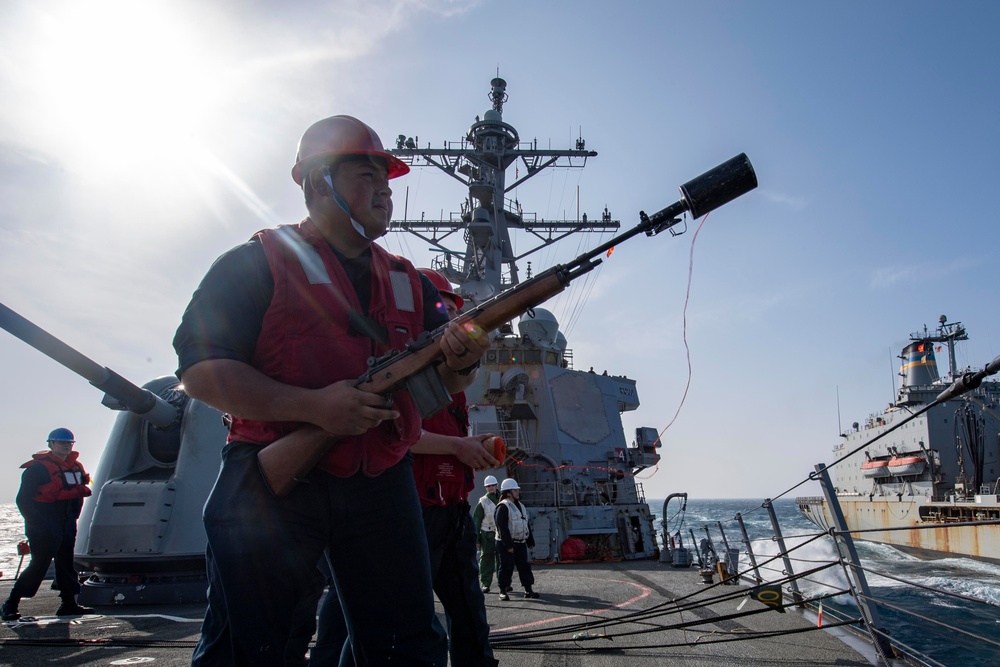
(875, 469)
(903, 466)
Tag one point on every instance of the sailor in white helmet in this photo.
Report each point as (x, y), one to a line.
(486, 529)
(513, 539)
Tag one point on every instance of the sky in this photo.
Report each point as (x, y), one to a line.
(139, 141)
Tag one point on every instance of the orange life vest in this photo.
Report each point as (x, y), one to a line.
(65, 477)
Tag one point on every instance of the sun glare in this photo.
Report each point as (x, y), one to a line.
(119, 81)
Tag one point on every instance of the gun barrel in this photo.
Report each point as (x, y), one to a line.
(140, 401)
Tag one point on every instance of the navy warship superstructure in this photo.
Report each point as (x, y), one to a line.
(562, 426)
(923, 486)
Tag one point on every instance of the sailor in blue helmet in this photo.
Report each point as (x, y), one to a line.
(53, 487)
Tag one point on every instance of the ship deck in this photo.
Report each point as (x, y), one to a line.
(166, 634)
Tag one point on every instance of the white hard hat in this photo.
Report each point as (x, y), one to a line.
(490, 481)
(509, 484)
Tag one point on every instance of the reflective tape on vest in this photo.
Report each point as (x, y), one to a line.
(308, 256)
(402, 291)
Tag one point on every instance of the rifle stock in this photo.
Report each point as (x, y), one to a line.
(286, 459)
(295, 454)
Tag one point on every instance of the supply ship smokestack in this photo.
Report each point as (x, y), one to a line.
(919, 365)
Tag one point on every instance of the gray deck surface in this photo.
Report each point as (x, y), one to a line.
(165, 635)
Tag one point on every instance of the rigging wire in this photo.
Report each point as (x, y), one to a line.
(671, 607)
(927, 619)
(578, 294)
(687, 348)
(932, 589)
(681, 625)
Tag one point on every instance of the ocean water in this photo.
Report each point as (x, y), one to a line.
(958, 575)
(11, 532)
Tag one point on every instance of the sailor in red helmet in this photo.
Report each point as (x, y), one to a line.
(276, 335)
(53, 487)
(445, 460)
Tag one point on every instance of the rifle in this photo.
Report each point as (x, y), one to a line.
(283, 461)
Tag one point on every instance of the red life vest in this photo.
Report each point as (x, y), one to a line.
(306, 339)
(65, 477)
(441, 478)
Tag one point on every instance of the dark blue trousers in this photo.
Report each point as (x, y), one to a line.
(51, 535)
(451, 537)
(332, 645)
(508, 561)
(263, 552)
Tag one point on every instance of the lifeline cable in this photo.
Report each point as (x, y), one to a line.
(927, 619)
(522, 645)
(932, 589)
(667, 608)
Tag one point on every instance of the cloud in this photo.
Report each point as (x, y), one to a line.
(794, 203)
(890, 276)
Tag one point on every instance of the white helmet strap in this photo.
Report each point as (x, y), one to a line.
(343, 204)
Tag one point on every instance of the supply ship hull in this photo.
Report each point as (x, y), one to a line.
(882, 519)
(923, 483)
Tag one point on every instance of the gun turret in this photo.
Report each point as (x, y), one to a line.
(119, 393)
(143, 523)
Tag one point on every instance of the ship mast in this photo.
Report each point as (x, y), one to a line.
(946, 333)
(480, 161)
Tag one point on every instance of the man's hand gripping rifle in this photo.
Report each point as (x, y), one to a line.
(288, 458)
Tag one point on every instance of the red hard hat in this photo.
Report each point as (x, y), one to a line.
(444, 286)
(341, 135)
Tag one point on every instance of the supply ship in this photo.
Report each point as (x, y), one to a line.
(926, 483)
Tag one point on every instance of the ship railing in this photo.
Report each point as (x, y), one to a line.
(821, 575)
(511, 430)
(539, 494)
(564, 490)
(566, 494)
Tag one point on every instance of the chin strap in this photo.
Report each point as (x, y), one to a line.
(343, 205)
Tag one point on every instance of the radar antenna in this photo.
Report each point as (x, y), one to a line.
(481, 161)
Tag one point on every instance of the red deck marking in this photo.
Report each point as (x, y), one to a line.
(645, 592)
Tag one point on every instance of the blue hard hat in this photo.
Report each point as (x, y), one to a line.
(61, 435)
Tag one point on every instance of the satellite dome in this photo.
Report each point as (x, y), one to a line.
(542, 329)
